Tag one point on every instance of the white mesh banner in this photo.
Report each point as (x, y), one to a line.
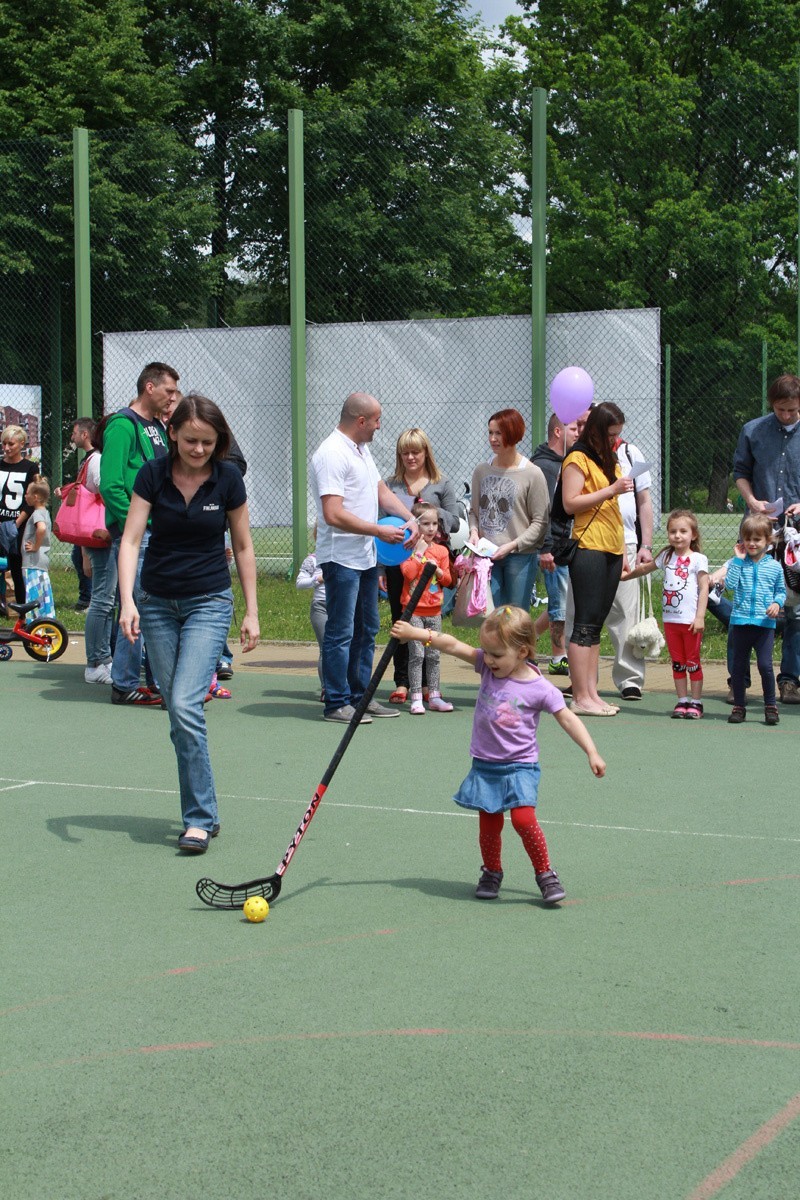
(446, 376)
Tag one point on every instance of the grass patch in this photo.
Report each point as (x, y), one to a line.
(283, 613)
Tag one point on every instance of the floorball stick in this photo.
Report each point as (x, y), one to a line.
(223, 895)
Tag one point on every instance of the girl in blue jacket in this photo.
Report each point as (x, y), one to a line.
(759, 593)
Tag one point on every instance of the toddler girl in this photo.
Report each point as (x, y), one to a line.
(505, 764)
(36, 550)
(684, 601)
(759, 591)
(428, 614)
(310, 577)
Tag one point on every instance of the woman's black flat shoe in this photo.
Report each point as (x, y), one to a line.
(194, 845)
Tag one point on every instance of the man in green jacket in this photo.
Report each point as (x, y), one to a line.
(131, 436)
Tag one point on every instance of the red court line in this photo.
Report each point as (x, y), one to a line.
(744, 1154)
(265, 1039)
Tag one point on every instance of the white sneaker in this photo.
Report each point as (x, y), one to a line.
(98, 674)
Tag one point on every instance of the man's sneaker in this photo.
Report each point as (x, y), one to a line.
(344, 715)
(488, 884)
(790, 693)
(631, 693)
(550, 886)
(141, 697)
(771, 715)
(558, 666)
(380, 710)
(81, 606)
(225, 671)
(99, 674)
(737, 715)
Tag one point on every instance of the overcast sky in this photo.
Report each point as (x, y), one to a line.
(495, 11)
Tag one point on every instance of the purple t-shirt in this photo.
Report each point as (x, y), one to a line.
(507, 715)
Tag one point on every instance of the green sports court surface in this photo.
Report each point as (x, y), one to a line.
(383, 1034)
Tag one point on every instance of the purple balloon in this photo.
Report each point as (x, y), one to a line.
(571, 393)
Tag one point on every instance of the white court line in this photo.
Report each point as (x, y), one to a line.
(416, 812)
(16, 786)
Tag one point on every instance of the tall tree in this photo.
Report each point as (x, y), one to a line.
(403, 163)
(81, 63)
(672, 140)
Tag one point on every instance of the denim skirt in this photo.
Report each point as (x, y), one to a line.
(495, 787)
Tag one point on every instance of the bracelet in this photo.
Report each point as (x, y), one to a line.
(430, 639)
(650, 548)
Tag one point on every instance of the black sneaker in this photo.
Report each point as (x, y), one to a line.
(771, 715)
(631, 693)
(141, 697)
(488, 884)
(224, 671)
(551, 887)
(737, 715)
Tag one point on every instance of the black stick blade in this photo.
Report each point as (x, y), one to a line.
(223, 895)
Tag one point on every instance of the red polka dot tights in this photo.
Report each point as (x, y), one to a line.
(490, 838)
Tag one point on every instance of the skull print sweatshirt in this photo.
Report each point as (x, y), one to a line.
(511, 503)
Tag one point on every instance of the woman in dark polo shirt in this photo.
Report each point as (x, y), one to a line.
(185, 603)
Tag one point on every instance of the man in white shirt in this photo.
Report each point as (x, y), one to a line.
(635, 507)
(348, 492)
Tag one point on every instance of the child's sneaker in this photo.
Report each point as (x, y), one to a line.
(551, 887)
(558, 666)
(771, 715)
(437, 704)
(694, 710)
(737, 715)
(679, 711)
(488, 884)
(417, 708)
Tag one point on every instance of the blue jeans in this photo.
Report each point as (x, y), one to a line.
(126, 666)
(790, 654)
(100, 615)
(513, 578)
(84, 581)
(348, 646)
(184, 640)
(556, 583)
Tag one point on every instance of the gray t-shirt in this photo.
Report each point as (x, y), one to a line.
(40, 560)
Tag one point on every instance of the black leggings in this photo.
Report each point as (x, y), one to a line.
(743, 639)
(594, 575)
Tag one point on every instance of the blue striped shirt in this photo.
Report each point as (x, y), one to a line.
(755, 585)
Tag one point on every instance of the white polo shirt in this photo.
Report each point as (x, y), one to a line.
(343, 468)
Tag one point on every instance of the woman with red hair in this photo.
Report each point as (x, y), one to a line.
(510, 507)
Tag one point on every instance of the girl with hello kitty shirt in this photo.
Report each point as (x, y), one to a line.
(683, 603)
(505, 753)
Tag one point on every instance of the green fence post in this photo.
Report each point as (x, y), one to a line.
(538, 262)
(297, 317)
(667, 430)
(56, 471)
(83, 295)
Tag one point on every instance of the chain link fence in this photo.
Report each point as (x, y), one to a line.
(417, 282)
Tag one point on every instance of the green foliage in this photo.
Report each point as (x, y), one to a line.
(672, 153)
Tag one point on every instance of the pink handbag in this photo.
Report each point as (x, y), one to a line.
(81, 516)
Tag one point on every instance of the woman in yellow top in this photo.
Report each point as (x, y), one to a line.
(590, 484)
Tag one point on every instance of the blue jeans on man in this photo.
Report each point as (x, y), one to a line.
(184, 641)
(100, 617)
(348, 646)
(126, 666)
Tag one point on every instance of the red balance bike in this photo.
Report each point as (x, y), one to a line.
(43, 638)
